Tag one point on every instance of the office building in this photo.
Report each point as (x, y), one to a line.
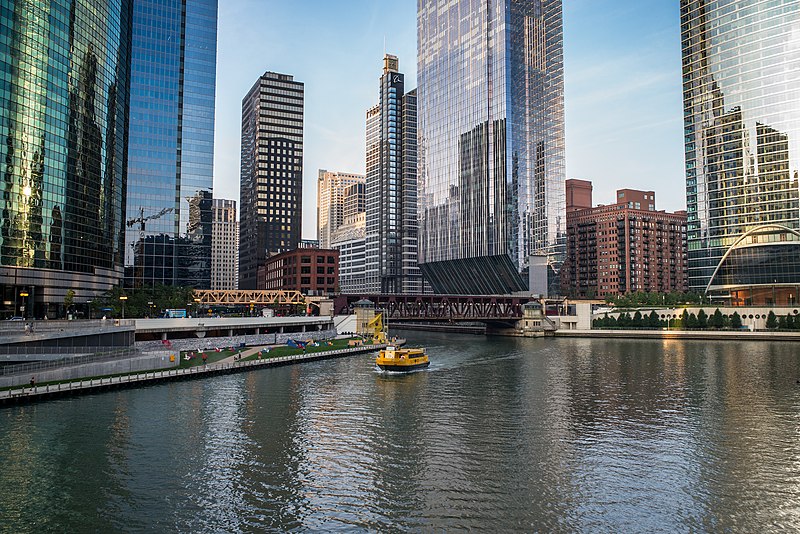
(332, 189)
(491, 143)
(311, 271)
(271, 189)
(741, 131)
(391, 187)
(224, 245)
(64, 81)
(622, 247)
(171, 143)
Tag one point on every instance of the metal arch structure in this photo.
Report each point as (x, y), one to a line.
(245, 297)
(741, 238)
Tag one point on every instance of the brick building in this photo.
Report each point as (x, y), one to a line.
(623, 247)
(312, 271)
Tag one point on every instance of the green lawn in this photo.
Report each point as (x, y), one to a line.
(283, 350)
(212, 356)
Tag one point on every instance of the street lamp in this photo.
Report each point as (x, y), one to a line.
(150, 307)
(123, 298)
(252, 308)
(24, 295)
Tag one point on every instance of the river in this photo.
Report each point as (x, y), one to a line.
(499, 434)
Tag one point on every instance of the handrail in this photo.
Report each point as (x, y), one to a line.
(80, 385)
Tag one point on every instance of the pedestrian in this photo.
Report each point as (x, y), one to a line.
(33, 381)
(27, 329)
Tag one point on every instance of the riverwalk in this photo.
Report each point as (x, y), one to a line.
(700, 335)
(227, 366)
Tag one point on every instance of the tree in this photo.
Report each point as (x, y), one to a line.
(736, 321)
(782, 322)
(69, 300)
(702, 319)
(684, 320)
(789, 321)
(691, 322)
(772, 321)
(716, 320)
(652, 320)
(637, 319)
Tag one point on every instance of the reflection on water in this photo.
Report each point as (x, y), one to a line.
(501, 434)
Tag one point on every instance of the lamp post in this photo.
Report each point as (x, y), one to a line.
(150, 308)
(24, 295)
(123, 298)
(252, 308)
(197, 307)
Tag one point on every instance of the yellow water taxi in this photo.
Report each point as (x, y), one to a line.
(402, 360)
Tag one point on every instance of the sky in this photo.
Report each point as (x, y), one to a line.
(621, 74)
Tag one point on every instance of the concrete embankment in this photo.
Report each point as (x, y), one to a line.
(699, 335)
(48, 391)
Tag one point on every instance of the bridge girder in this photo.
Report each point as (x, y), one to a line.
(233, 297)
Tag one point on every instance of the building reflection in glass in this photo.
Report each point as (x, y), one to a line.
(64, 80)
(741, 121)
(171, 142)
(491, 142)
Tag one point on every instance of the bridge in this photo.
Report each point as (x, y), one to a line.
(441, 308)
(425, 307)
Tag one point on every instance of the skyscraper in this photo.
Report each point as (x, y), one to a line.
(224, 245)
(742, 127)
(391, 187)
(171, 143)
(64, 84)
(491, 143)
(271, 192)
(332, 188)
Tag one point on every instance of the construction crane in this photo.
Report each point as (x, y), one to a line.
(141, 219)
(379, 334)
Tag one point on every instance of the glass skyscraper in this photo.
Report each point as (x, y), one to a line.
(391, 187)
(741, 90)
(171, 143)
(64, 68)
(491, 143)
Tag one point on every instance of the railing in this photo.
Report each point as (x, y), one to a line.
(21, 368)
(84, 384)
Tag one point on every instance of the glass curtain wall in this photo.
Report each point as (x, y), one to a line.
(491, 142)
(64, 84)
(171, 143)
(742, 124)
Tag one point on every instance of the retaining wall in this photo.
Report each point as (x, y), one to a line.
(147, 362)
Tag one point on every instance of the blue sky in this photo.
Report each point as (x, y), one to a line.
(622, 86)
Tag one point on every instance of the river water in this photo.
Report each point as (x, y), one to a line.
(499, 434)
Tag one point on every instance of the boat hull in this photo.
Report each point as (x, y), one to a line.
(399, 368)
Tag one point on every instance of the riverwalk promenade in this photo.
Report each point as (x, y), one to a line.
(700, 335)
(227, 366)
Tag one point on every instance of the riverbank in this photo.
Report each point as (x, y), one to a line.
(700, 335)
(94, 385)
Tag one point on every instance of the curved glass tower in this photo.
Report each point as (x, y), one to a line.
(64, 70)
(741, 88)
(491, 143)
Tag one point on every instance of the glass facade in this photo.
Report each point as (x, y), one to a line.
(64, 67)
(271, 187)
(391, 187)
(491, 142)
(742, 129)
(171, 143)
